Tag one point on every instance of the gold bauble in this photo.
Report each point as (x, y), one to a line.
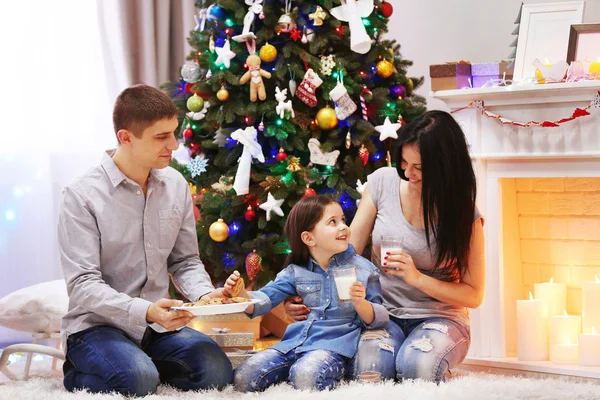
(223, 94)
(384, 69)
(218, 231)
(268, 52)
(326, 118)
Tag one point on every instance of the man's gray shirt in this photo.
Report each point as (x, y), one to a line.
(118, 247)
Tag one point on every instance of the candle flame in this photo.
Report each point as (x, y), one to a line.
(566, 315)
(593, 330)
(551, 280)
(530, 296)
(597, 279)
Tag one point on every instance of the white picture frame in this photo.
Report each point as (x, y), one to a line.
(544, 34)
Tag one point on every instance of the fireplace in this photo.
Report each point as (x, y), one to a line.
(539, 190)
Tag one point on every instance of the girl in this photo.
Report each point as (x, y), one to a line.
(314, 353)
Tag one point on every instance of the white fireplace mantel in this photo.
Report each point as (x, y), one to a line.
(508, 151)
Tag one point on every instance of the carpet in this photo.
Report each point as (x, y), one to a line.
(47, 385)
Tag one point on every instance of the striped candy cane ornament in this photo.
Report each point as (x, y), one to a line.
(363, 103)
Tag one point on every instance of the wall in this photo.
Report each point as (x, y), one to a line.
(434, 32)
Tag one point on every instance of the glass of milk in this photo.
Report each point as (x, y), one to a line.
(344, 278)
(388, 243)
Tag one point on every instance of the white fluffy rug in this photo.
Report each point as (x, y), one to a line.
(47, 385)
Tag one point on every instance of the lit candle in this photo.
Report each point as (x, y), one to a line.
(595, 69)
(532, 330)
(564, 328)
(589, 349)
(564, 353)
(553, 295)
(590, 305)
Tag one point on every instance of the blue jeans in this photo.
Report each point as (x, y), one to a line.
(411, 349)
(315, 369)
(103, 359)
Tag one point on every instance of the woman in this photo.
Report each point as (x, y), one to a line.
(428, 286)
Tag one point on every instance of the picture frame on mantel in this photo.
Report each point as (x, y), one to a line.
(584, 43)
(544, 34)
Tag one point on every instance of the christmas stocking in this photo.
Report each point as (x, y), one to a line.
(345, 105)
(308, 87)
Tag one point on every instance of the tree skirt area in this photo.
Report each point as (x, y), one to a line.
(47, 385)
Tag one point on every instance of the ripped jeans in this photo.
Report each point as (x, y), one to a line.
(411, 349)
(315, 369)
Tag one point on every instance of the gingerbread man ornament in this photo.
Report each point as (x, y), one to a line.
(255, 75)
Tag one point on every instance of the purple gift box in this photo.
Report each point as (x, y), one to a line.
(483, 72)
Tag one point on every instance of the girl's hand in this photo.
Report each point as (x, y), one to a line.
(357, 292)
(399, 263)
(230, 283)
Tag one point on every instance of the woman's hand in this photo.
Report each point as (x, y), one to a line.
(295, 309)
(399, 263)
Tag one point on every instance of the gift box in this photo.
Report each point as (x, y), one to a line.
(484, 72)
(232, 341)
(238, 322)
(450, 76)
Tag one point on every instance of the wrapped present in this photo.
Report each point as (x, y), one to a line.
(484, 72)
(238, 357)
(231, 341)
(450, 76)
(238, 322)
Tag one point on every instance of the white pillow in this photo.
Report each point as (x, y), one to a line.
(37, 308)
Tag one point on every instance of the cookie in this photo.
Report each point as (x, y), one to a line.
(237, 289)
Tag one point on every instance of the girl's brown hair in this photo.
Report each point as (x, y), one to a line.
(303, 217)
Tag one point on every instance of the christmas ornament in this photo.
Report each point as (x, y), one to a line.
(326, 118)
(352, 12)
(410, 85)
(197, 166)
(223, 185)
(196, 116)
(348, 139)
(283, 105)
(190, 72)
(387, 130)
(261, 125)
(224, 54)
(211, 48)
(252, 149)
(304, 39)
(345, 105)
(294, 165)
(285, 22)
(327, 64)
(268, 52)
(195, 103)
(281, 156)
(182, 154)
(255, 7)
(218, 231)
(253, 265)
(272, 205)
(360, 188)
(318, 16)
(385, 9)
(223, 94)
(292, 84)
(295, 34)
(385, 69)
(363, 104)
(255, 75)
(398, 91)
(318, 157)
(250, 214)
(271, 183)
(188, 133)
(363, 153)
(204, 14)
(309, 192)
(220, 139)
(308, 87)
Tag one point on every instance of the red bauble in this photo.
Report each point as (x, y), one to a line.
(309, 192)
(363, 153)
(281, 156)
(253, 265)
(385, 9)
(250, 214)
(188, 133)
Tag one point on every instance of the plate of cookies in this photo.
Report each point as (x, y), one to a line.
(227, 305)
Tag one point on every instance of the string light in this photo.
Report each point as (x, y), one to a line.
(234, 228)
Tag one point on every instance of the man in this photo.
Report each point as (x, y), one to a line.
(124, 228)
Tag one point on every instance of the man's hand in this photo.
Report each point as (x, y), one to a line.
(295, 309)
(160, 312)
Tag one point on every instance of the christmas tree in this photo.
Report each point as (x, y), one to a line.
(282, 99)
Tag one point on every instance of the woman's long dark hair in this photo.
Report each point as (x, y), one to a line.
(449, 187)
(303, 217)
